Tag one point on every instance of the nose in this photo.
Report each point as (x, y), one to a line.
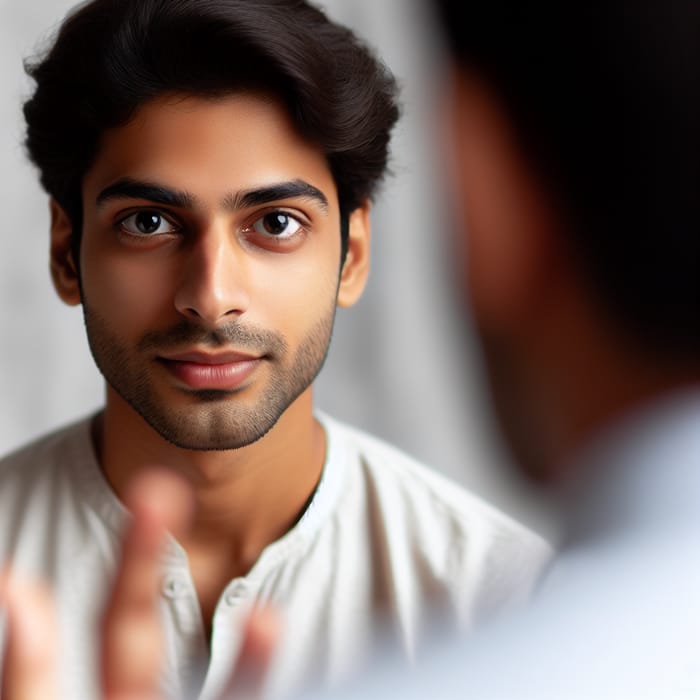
(213, 286)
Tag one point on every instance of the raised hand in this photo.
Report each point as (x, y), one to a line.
(132, 639)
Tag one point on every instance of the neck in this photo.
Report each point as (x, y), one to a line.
(244, 498)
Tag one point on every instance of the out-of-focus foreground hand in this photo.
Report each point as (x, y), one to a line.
(30, 666)
(132, 639)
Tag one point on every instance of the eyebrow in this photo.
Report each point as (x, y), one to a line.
(272, 193)
(128, 188)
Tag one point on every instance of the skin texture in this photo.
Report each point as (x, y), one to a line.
(194, 274)
(209, 279)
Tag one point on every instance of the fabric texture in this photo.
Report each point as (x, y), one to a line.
(383, 545)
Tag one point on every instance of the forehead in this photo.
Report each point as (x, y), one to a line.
(209, 146)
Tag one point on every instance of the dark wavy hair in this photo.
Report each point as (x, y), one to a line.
(605, 100)
(109, 57)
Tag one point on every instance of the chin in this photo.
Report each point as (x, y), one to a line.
(210, 426)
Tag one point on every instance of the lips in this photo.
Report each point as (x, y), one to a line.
(206, 371)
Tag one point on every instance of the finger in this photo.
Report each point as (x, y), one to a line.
(132, 641)
(260, 639)
(30, 667)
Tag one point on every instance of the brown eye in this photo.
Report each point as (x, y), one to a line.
(277, 224)
(145, 223)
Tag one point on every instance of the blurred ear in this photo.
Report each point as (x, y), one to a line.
(64, 270)
(353, 276)
(508, 217)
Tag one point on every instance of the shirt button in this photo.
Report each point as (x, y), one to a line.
(236, 594)
(173, 587)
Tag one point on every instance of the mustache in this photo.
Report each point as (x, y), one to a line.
(186, 333)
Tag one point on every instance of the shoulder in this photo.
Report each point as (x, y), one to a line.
(41, 497)
(46, 457)
(47, 444)
(386, 467)
(453, 528)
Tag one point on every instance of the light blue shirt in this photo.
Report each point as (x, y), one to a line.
(618, 615)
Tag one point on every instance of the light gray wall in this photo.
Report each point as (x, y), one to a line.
(46, 373)
(401, 365)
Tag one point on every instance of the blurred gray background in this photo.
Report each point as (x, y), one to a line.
(402, 364)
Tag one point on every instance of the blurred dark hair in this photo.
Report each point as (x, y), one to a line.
(112, 56)
(605, 100)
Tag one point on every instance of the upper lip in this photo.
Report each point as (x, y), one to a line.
(210, 358)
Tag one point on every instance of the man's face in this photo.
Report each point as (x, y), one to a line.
(210, 262)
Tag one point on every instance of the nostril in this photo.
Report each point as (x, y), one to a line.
(210, 297)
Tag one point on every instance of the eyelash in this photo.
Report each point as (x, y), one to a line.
(249, 230)
(121, 223)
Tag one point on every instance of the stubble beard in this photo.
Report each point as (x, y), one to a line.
(209, 420)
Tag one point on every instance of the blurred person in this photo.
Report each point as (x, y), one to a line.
(574, 173)
(210, 168)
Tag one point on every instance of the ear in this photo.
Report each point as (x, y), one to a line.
(353, 276)
(510, 244)
(64, 270)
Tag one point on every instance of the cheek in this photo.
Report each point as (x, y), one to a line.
(469, 188)
(292, 294)
(126, 290)
(477, 243)
(493, 248)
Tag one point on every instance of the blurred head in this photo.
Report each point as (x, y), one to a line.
(577, 164)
